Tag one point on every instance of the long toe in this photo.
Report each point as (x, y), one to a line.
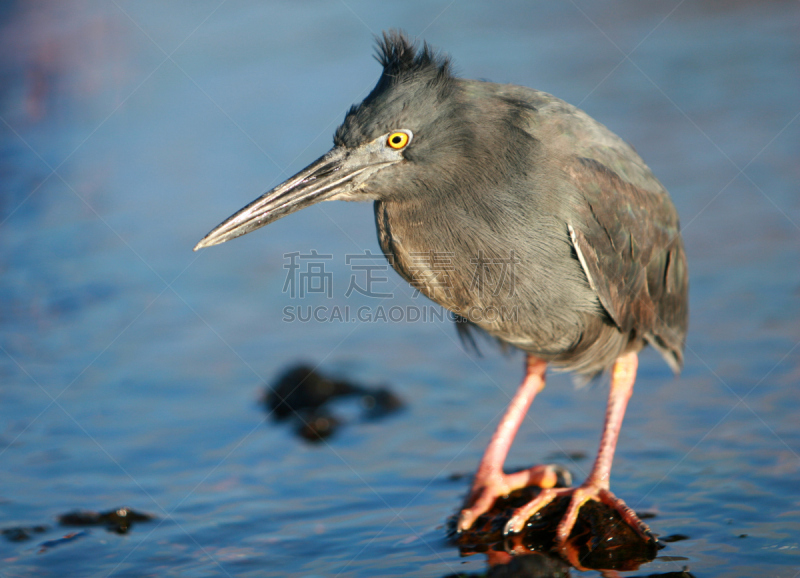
(521, 515)
(543, 476)
(578, 497)
(485, 492)
(481, 503)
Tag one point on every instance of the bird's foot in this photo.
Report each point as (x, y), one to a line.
(486, 489)
(578, 497)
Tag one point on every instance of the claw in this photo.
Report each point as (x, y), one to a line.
(578, 497)
(485, 492)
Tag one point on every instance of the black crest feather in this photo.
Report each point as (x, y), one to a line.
(400, 56)
(422, 72)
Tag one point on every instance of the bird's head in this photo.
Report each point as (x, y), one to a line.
(404, 132)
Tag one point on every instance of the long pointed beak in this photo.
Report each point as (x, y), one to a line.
(326, 177)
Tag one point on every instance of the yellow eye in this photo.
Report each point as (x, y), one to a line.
(397, 140)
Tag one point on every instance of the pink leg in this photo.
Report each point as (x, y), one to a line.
(622, 379)
(490, 481)
(596, 486)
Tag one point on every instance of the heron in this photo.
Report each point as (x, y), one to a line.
(549, 220)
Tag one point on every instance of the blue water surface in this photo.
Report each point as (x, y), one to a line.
(132, 368)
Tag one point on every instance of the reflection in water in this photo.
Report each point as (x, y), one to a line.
(63, 60)
(537, 565)
(601, 540)
(534, 565)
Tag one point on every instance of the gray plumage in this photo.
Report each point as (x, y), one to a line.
(502, 168)
(541, 213)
